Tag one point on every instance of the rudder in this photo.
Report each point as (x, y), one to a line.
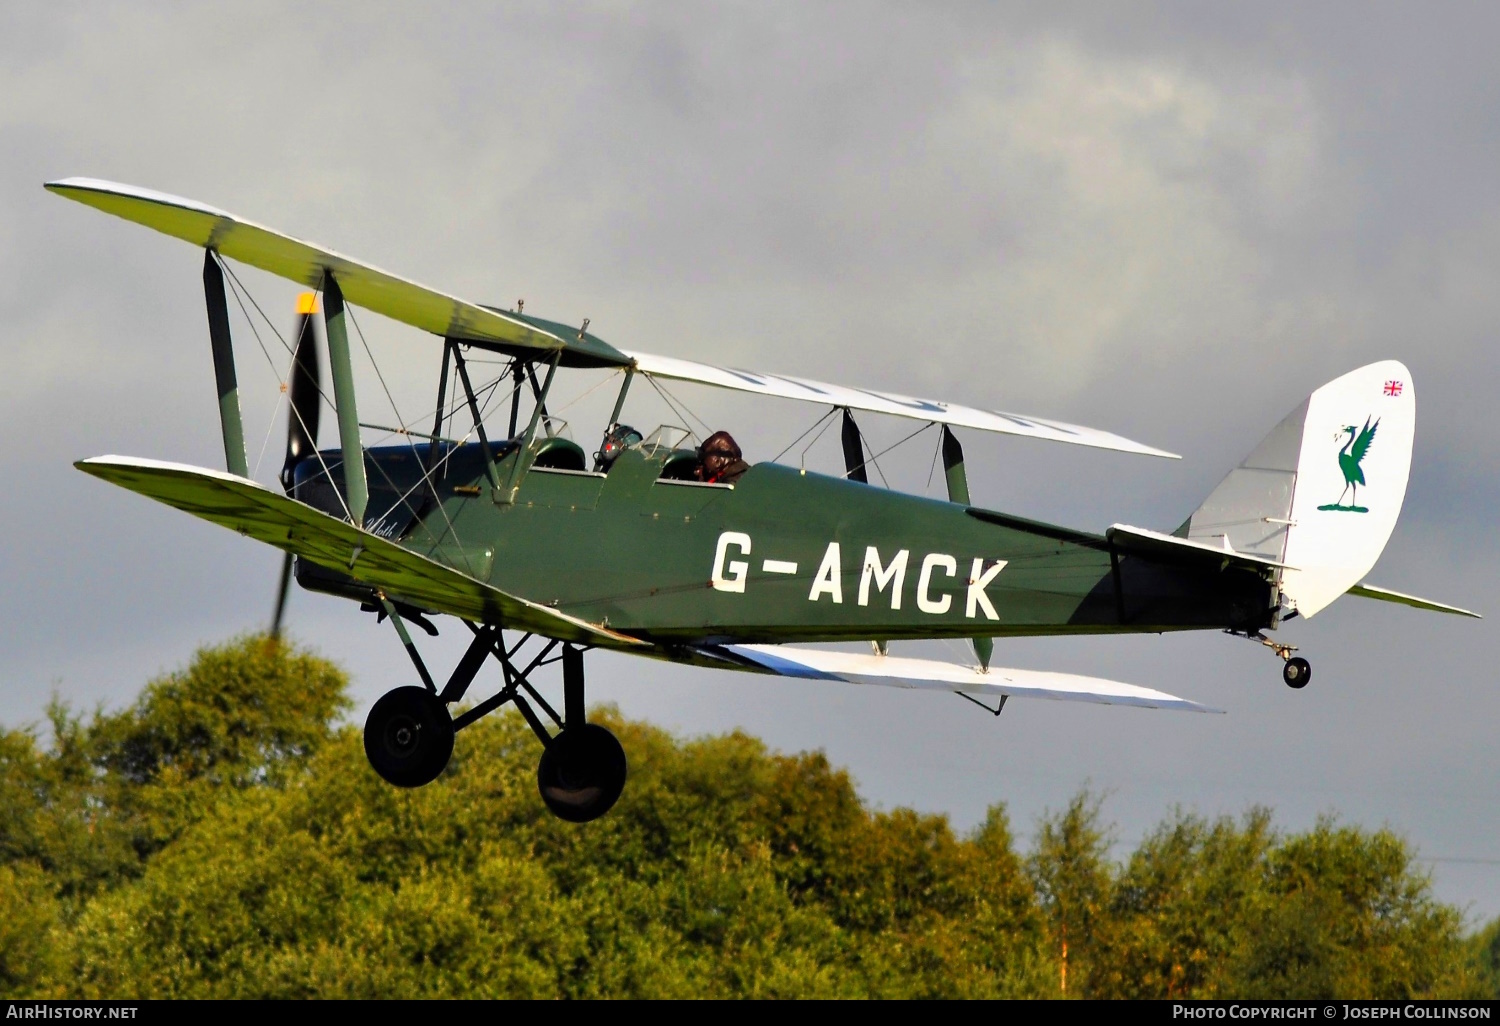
(1322, 491)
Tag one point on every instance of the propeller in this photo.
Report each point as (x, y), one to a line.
(304, 405)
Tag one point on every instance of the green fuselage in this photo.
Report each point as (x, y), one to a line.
(782, 555)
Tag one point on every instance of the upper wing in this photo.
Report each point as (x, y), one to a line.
(1386, 595)
(257, 511)
(442, 314)
(857, 668)
(306, 264)
(886, 402)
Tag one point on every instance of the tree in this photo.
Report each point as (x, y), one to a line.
(116, 788)
(1074, 881)
(1348, 912)
(1486, 954)
(1183, 909)
(223, 836)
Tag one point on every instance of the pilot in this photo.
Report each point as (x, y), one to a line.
(616, 440)
(719, 459)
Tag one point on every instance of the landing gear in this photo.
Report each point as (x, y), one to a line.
(409, 733)
(582, 773)
(409, 737)
(1297, 672)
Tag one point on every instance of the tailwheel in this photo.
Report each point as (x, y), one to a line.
(1296, 672)
(582, 773)
(409, 736)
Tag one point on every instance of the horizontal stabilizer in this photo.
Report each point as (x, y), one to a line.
(1386, 595)
(931, 674)
(260, 513)
(305, 263)
(888, 403)
(1170, 547)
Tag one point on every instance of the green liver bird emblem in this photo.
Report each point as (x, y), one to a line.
(1351, 455)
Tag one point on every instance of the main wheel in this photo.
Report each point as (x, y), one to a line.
(582, 773)
(409, 736)
(1297, 672)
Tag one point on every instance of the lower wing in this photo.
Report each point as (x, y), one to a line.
(894, 671)
(260, 513)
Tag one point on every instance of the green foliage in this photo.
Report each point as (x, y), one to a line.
(1485, 950)
(1073, 878)
(28, 955)
(222, 837)
(1219, 909)
(238, 715)
(117, 788)
(1182, 909)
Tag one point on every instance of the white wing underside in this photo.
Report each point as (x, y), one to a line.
(889, 403)
(933, 675)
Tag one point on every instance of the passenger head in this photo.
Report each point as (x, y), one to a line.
(718, 451)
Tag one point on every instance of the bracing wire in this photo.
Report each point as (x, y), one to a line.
(804, 434)
(378, 375)
(236, 287)
(239, 286)
(871, 461)
(403, 497)
(933, 468)
(827, 423)
(404, 429)
(270, 429)
(685, 414)
(585, 394)
(674, 402)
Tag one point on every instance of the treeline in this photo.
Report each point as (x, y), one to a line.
(225, 837)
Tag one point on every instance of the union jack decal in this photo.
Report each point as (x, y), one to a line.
(1393, 387)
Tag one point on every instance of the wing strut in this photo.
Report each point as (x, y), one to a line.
(958, 491)
(484, 439)
(437, 421)
(525, 453)
(854, 452)
(355, 486)
(229, 395)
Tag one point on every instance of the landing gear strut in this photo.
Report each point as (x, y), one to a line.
(409, 733)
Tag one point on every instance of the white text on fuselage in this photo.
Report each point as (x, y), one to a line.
(878, 577)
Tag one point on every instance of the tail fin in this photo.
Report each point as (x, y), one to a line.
(1322, 491)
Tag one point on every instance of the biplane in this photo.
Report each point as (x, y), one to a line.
(544, 552)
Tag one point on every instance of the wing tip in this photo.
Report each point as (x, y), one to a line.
(1366, 590)
(98, 466)
(76, 188)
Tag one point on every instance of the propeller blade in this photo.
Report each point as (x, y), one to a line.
(304, 406)
(303, 394)
(281, 593)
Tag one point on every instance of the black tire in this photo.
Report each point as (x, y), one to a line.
(582, 773)
(409, 737)
(1297, 672)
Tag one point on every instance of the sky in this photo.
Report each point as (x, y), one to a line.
(1171, 221)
